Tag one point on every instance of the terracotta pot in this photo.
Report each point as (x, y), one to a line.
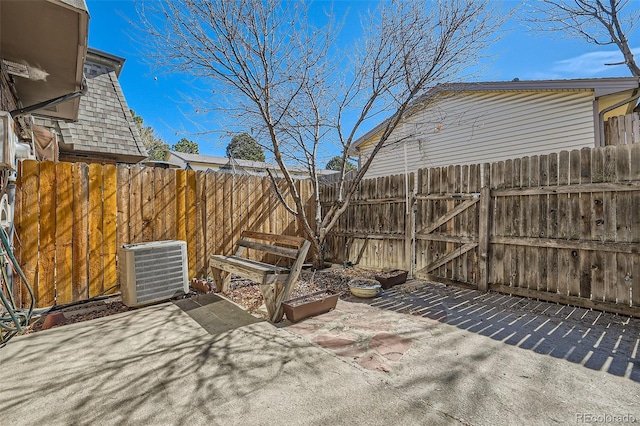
(310, 304)
(53, 319)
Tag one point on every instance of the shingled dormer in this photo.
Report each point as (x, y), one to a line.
(105, 131)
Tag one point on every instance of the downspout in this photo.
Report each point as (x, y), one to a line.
(634, 97)
(51, 102)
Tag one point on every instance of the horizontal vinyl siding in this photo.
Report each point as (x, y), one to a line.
(488, 126)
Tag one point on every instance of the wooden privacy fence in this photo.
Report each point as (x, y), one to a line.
(563, 227)
(623, 129)
(70, 219)
(373, 230)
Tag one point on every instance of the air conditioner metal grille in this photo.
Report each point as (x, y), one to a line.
(153, 272)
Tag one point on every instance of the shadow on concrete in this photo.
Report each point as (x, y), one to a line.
(150, 366)
(597, 340)
(215, 314)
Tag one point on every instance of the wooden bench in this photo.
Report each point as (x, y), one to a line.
(276, 282)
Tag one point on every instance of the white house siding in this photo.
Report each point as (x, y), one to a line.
(478, 127)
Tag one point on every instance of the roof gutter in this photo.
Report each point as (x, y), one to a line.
(634, 97)
(51, 102)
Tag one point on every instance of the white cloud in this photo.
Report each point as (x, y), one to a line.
(592, 65)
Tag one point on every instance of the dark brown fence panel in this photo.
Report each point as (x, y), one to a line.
(372, 232)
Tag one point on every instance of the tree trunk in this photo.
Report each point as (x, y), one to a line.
(317, 254)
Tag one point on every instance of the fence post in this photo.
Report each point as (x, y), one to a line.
(484, 229)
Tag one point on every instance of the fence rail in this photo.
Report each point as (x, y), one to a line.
(70, 219)
(563, 227)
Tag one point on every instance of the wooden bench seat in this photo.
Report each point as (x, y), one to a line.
(276, 282)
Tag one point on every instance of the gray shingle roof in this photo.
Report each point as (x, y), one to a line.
(104, 125)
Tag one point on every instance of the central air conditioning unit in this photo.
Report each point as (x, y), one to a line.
(152, 272)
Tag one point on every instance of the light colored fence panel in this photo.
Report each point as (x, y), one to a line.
(71, 218)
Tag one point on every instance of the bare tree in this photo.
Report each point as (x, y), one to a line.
(600, 22)
(288, 79)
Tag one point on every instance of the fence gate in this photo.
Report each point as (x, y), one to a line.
(447, 225)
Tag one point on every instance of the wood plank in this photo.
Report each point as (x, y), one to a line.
(280, 251)
(571, 189)
(623, 225)
(96, 242)
(287, 289)
(634, 173)
(148, 205)
(449, 225)
(123, 220)
(474, 223)
(171, 198)
(603, 246)
(521, 252)
(280, 239)
(210, 232)
(532, 271)
(228, 213)
(585, 224)
(64, 234)
(30, 228)
(135, 205)
(610, 224)
(507, 219)
(47, 238)
(563, 219)
(497, 224)
(445, 196)
(190, 222)
(160, 205)
(448, 216)
(181, 205)
(543, 219)
(516, 208)
(464, 225)
(110, 213)
(483, 239)
(552, 225)
(200, 227)
(80, 232)
(635, 281)
(449, 256)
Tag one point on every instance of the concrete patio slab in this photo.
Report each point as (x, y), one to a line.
(490, 359)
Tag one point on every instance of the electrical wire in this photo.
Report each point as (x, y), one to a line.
(13, 320)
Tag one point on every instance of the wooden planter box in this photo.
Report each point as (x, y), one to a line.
(310, 304)
(391, 278)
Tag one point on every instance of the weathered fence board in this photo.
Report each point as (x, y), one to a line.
(563, 227)
(71, 218)
(623, 129)
(64, 234)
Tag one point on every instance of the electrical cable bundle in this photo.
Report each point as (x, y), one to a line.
(12, 319)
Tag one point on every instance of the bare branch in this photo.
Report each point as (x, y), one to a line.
(269, 66)
(598, 22)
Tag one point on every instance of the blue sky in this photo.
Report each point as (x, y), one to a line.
(159, 98)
